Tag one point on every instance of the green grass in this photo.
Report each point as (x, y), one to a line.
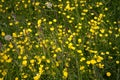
(59, 40)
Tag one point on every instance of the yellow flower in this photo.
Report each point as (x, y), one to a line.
(11, 24)
(4, 72)
(2, 0)
(117, 62)
(24, 63)
(110, 31)
(58, 49)
(50, 22)
(70, 46)
(82, 59)
(9, 60)
(43, 57)
(48, 61)
(82, 18)
(25, 57)
(108, 74)
(83, 14)
(3, 34)
(25, 76)
(16, 78)
(101, 65)
(107, 53)
(32, 61)
(54, 56)
(79, 51)
(65, 73)
(85, 10)
(25, 5)
(2, 78)
(52, 29)
(102, 30)
(99, 59)
(10, 45)
(37, 3)
(37, 77)
(79, 40)
(54, 20)
(29, 23)
(70, 21)
(36, 46)
(88, 62)
(92, 61)
(29, 30)
(67, 64)
(92, 30)
(5, 57)
(14, 35)
(106, 9)
(82, 67)
(57, 64)
(39, 22)
(106, 35)
(68, 16)
(67, 7)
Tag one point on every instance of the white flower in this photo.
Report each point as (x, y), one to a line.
(48, 4)
(8, 37)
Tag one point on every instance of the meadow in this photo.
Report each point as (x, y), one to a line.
(59, 40)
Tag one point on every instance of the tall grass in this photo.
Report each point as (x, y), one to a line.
(59, 40)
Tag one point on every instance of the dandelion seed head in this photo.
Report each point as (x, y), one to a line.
(8, 37)
(48, 4)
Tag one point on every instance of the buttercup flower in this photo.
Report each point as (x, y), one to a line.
(108, 74)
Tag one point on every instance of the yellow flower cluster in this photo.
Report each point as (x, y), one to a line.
(57, 40)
